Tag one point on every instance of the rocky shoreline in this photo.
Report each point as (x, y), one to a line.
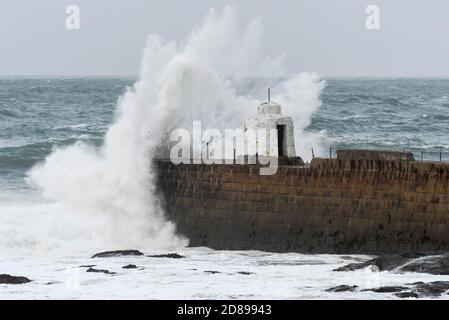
(409, 262)
(437, 264)
(410, 290)
(400, 263)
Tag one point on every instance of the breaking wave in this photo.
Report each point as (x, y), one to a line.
(104, 197)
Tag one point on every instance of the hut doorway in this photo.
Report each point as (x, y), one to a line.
(281, 135)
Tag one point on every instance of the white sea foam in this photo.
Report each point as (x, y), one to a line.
(237, 275)
(104, 197)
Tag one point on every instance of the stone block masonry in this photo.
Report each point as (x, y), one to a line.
(333, 206)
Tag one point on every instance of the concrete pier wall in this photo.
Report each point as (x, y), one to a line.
(333, 206)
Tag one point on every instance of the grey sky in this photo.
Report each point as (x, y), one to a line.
(326, 36)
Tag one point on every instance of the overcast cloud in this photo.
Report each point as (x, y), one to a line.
(326, 36)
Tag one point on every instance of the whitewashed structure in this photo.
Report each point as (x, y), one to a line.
(269, 117)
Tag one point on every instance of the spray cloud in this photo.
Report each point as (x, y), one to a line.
(106, 196)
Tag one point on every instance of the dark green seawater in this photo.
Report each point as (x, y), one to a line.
(38, 115)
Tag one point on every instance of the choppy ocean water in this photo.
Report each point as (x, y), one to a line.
(38, 116)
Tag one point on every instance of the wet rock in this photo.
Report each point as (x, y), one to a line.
(100, 271)
(384, 263)
(431, 289)
(130, 266)
(354, 266)
(387, 289)
(211, 271)
(412, 262)
(342, 288)
(407, 294)
(358, 259)
(117, 253)
(438, 264)
(416, 289)
(9, 279)
(246, 273)
(168, 255)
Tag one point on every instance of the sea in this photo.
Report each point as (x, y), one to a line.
(57, 134)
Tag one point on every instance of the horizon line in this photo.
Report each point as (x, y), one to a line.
(41, 76)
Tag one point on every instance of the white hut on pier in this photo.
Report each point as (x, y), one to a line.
(269, 117)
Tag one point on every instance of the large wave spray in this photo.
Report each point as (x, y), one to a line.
(105, 197)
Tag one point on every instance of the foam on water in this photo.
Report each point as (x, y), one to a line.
(202, 274)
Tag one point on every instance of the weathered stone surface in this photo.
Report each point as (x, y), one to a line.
(99, 271)
(342, 288)
(168, 255)
(374, 155)
(332, 206)
(117, 253)
(9, 279)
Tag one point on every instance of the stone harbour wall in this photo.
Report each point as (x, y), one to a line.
(332, 206)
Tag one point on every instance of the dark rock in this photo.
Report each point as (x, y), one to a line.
(88, 266)
(117, 253)
(407, 294)
(384, 263)
(432, 289)
(212, 271)
(358, 259)
(438, 264)
(9, 279)
(355, 266)
(342, 288)
(99, 270)
(130, 266)
(420, 289)
(412, 262)
(246, 273)
(387, 289)
(168, 255)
